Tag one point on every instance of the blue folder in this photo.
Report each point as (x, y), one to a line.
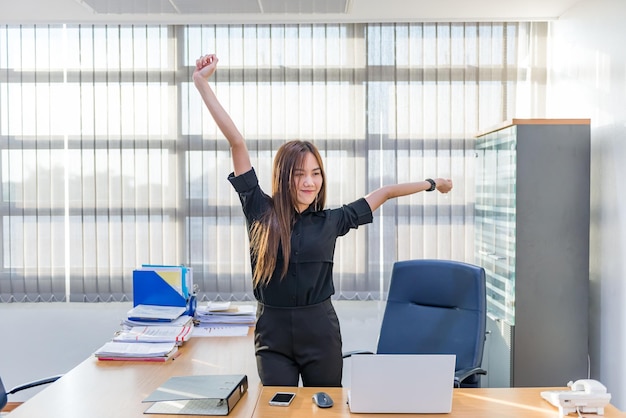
(152, 286)
(185, 279)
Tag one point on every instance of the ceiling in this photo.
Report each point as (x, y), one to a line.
(276, 11)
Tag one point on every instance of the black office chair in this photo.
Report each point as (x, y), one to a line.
(437, 307)
(4, 398)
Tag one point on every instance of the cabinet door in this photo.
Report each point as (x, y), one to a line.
(495, 219)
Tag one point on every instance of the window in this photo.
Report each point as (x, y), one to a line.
(110, 160)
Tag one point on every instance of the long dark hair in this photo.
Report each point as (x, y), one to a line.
(275, 226)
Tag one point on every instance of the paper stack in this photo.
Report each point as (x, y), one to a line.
(153, 342)
(161, 318)
(145, 315)
(154, 334)
(222, 319)
(112, 351)
(226, 314)
(155, 313)
(183, 320)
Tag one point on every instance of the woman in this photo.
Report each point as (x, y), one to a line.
(292, 243)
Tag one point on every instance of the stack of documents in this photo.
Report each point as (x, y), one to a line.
(137, 351)
(224, 313)
(145, 343)
(160, 320)
(183, 320)
(155, 313)
(145, 315)
(154, 334)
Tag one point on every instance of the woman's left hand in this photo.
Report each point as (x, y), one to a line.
(443, 185)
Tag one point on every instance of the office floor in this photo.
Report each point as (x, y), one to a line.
(43, 339)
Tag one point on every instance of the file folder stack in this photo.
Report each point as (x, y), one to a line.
(161, 318)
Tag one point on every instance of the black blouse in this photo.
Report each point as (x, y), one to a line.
(309, 279)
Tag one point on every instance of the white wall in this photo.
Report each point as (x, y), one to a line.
(588, 79)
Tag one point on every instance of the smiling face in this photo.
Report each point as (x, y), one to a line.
(307, 181)
(298, 179)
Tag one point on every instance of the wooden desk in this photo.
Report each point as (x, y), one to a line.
(108, 389)
(466, 403)
(96, 389)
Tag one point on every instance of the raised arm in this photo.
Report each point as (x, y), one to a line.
(205, 67)
(380, 196)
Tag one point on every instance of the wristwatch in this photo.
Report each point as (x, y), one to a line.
(433, 185)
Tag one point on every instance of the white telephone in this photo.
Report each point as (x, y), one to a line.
(585, 396)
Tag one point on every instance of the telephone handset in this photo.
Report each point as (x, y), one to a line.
(588, 386)
(585, 396)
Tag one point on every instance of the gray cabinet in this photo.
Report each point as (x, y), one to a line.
(532, 238)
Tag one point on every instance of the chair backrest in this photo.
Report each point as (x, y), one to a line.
(3, 396)
(435, 307)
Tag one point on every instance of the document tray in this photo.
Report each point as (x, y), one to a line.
(198, 395)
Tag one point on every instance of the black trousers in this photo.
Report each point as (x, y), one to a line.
(301, 342)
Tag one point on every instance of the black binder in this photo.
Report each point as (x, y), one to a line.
(198, 395)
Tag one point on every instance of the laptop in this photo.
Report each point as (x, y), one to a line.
(401, 383)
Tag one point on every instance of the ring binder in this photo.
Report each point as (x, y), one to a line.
(198, 395)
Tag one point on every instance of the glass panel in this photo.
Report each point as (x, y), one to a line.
(495, 219)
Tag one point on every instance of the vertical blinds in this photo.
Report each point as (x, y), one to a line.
(110, 160)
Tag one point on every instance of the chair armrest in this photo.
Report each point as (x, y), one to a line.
(34, 383)
(355, 352)
(461, 375)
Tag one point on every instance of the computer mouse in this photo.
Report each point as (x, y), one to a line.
(322, 400)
